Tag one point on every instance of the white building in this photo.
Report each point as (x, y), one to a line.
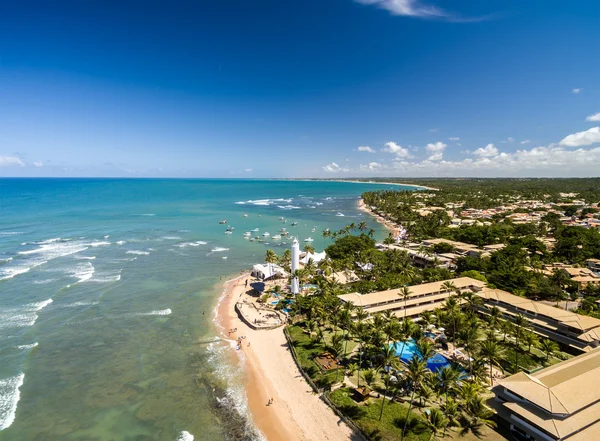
(295, 288)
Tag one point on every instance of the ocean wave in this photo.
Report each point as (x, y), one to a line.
(107, 276)
(82, 272)
(85, 257)
(185, 436)
(340, 214)
(44, 281)
(265, 202)
(31, 346)
(219, 250)
(21, 317)
(47, 250)
(8, 259)
(138, 252)
(79, 304)
(145, 214)
(121, 242)
(143, 314)
(10, 233)
(191, 244)
(9, 398)
(288, 207)
(171, 238)
(99, 244)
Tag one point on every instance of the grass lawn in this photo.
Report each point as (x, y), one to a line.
(305, 350)
(366, 417)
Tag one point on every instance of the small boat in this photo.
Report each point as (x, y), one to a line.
(308, 239)
(284, 233)
(282, 230)
(266, 234)
(230, 228)
(252, 239)
(255, 230)
(314, 229)
(294, 224)
(245, 215)
(247, 234)
(277, 237)
(282, 218)
(223, 222)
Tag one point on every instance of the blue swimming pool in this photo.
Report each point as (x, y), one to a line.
(406, 350)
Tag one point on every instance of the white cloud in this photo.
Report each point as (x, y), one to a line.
(579, 139)
(248, 170)
(365, 148)
(8, 161)
(410, 8)
(38, 164)
(434, 130)
(487, 151)
(456, 138)
(526, 141)
(594, 118)
(436, 147)
(392, 147)
(510, 139)
(371, 166)
(576, 91)
(436, 157)
(334, 168)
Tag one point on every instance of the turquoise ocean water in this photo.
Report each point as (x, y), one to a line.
(107, 292)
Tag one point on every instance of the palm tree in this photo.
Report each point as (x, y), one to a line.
(362, 226)
(388, 360)
(451, 411)
(549, 347)
(469, 337)
(451, 305)
(424, 393)
(271, 256)
(448, 378)
(475, 417)
(309, 248)
(520, 324)
(404, 293)
(494, 315)
(436, 422)
(370, 378)
(417, 368)
(530, 339)
(491, 352)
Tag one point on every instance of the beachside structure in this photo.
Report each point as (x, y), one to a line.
(295, 288)
(268, 271)
(315, 257)
(560, 402)
(594, 265)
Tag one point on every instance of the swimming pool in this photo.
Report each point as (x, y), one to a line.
(406, 350)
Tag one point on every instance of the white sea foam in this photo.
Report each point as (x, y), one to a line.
(288, 207)
(138, 252)
(264, 202)
(80, 304)
(185, 436)
(107, 236)
(99, 244)
(21, 317)
(146, 214)
(219, 249)
(159, 312)
(85, 257)
(31, 346)
(107, 276)
(191, 244)
(8, 259)
(121, 242)
(82, 272)
(340, 215)
(44, 281)
(9, 398)
(47, 250)
(171, 238)
(10, 233)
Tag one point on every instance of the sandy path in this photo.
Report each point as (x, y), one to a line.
(296, 413)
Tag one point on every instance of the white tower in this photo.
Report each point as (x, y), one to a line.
(295, 265)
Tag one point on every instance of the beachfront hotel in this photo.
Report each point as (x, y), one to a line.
(424, 297)
(557, 403)
(579, 332)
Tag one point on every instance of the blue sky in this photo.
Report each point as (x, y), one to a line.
(311, 88)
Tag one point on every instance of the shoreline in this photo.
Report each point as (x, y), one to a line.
(389, 225)
(419, 187)
(271, 372)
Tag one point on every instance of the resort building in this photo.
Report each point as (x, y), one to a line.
(465, 249)
(580, 332)
(425, 297)
(583, 276)
(554, 404)
(594, 265)
(423, 260)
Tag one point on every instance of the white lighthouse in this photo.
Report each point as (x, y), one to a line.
(295, 265)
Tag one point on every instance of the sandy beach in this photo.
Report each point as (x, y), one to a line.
(421, 187)
(391, 226)
(270, 372)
